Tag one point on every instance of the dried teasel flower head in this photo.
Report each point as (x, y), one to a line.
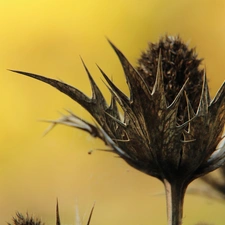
(171, 127)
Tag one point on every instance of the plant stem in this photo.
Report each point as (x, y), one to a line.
(175, 192)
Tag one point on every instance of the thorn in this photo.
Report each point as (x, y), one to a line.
(92, 209)
(57, 213)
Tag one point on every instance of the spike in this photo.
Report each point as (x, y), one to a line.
(117, 120)
(116, 90)
(217, 117)
(171, 114)
(219, 98)
(176, 101)
(219, 94)
(113, 110)
(203, 103)
(114, 146)
(190, 110)
(219, 153)
(77, 217)
(70, 91)
(57, 213)
(133, 78)
(125, 104)
(74, 121)
(158, 88)
(89, 219)
(96, 93)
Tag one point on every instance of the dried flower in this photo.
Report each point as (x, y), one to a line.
(29, 220)
(170, 128)
(22, 220)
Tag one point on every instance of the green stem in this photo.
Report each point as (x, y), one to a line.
(174, 198)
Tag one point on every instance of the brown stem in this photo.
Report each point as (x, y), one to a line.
(175, 192)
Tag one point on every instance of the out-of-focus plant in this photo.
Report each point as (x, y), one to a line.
(20, 219)
(170, 128)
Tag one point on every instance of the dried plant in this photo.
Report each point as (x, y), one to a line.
(29, 220)
(25, 220)
(170, 128)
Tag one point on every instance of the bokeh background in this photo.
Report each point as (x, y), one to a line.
(46, 37)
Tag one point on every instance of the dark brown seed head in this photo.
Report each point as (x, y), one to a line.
(179, 63)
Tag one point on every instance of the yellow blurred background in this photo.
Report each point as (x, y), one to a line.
(46, 37)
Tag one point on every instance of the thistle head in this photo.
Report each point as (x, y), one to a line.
(171, 127)
(20, 219)
(179, 64)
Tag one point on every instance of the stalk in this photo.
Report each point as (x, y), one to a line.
(175, 192)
